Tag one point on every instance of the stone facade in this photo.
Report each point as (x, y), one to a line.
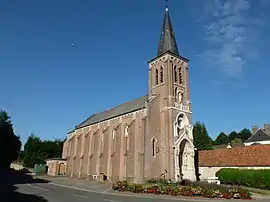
(150, 137)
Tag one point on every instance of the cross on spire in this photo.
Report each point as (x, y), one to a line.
(166, 5)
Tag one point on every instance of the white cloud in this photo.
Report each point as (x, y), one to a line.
(231, 33)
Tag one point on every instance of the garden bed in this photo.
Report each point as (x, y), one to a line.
(184, 188)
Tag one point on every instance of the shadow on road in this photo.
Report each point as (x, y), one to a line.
(8, 190)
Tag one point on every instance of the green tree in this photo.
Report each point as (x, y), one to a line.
(244, 134)
(236, 140)
(202, 141)
(33, 153)
(233, 135)
(222, 138)
(10, 144)
(37, 151)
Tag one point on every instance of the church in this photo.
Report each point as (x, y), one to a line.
(146, 138)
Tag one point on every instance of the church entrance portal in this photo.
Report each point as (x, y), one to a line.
(184, 149)
(181, 163)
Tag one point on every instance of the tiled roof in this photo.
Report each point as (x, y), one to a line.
(122, 109)
(255, 155)
(260, 135)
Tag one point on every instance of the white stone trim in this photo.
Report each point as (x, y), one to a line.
(167, 108)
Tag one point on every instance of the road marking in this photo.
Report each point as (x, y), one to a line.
(36, 187)
(106, 190)
(110, 200)
(79, 196)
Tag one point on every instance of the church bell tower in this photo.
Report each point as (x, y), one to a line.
(170, 112)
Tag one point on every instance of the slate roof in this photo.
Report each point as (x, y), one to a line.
(260, 135)
(255, 155)
(122, 109)
(167, 38)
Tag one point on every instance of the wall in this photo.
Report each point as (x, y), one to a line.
(56, 167)
(211, 171)
(16, 166)
(258, 142)
(89, 150)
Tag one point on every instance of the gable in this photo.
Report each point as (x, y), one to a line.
(260, 135)
(122, 109)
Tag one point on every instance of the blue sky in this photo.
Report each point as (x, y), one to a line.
(49, 85)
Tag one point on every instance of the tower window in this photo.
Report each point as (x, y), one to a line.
(175, 74)
(180, 76)
(175, 94)
(161, 75)
(156, 76)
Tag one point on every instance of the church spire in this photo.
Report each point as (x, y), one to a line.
(167, 39)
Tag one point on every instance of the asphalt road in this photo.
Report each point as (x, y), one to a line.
(44, 192)
(24, 188)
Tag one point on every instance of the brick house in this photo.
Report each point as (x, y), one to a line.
(249, 157)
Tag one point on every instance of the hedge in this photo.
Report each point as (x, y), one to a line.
(245, 177)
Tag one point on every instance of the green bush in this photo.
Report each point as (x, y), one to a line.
(245, 177)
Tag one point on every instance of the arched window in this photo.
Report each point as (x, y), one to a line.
(161, 75)
(175, 74)
(175, 94)
(180, 76)
(126, 139)
(156, 76)
(153, 147)
(113, 134)
(93, 140)
(101, 143)
(126, 131)
(180, 98)
(113, 140)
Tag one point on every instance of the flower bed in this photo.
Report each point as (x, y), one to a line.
(184, 188)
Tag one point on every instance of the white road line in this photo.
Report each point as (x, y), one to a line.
(36, 187)
(79, 196)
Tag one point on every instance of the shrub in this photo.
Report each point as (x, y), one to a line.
(245, 177)
(183, 188)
